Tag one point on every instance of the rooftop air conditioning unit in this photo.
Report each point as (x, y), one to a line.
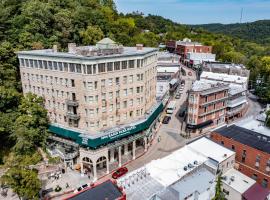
(185, 168)
(232, 178)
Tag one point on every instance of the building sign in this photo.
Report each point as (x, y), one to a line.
(116, 134)
(85, 140)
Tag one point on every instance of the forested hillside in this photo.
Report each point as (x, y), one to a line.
(37, 24)
(258, 31)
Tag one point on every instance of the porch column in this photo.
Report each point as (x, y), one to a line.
(126, 149)
(145, 144)
(107, 165)
(82, 168)
(111, 155)
(95, 171)
(119, 156)
(133, 150)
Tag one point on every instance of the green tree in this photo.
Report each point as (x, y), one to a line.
(219, 195)
(24, 182)
(31, 126)
(91, 35)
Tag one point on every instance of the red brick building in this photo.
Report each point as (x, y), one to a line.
(252, 151)
(207, 103)
(186, 46)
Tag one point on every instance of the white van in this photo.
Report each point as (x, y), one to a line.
(171, 106)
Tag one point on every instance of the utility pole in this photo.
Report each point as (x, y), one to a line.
(241, 16)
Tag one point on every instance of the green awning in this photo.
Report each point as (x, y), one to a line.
(86, 140)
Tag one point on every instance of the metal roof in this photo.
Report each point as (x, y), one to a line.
(246, 136)
(106, 190)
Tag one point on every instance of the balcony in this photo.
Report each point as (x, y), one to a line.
(73, 116)
(211, 111)
(237, 101)
(74, 103)
(203, 104)
(235, 111)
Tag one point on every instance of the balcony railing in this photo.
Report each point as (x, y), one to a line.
(237, 102)
(234, 111)
(213, 101)
(73, 116)
(72, 102)
(211, 111)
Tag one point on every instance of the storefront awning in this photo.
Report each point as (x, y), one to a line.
(201, 125)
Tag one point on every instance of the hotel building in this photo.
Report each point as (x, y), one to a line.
(101, 97)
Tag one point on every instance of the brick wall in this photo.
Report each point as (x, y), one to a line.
(248, 166)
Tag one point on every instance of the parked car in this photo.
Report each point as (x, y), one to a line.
(81, 188)
(166, 119)
(119, 172)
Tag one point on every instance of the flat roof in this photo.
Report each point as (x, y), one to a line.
(256, 192)
(224, 77)
(106, 190)
(201, 85)
(237, 180)
(200, 181)
(246, 137)
(217, 64)
(211, 149)
(170, 169)
(254, 125)
(167, 69)
(127, 51)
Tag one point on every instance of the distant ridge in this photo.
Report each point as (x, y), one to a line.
(258, 31)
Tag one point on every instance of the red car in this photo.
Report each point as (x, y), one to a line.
(119, 172)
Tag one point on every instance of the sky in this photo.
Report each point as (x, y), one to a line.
(200, 11)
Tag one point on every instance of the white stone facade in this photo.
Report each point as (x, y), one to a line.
(92, 93)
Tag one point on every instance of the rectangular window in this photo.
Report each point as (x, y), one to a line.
(110, 81)
(124, 64)
(66, 67)
(60, 66)
(103, 83)
(78, 68)
(138, 63)
(90, 85)
(138, 77)
(131, 64)
(131, 78)
(71, 67)
(35, 64)
(125, 104)
(94, 69)
(26, 62)
(89, 69)
(110, 95)
(50, 65)
(109, 66)
(55, 66)
(117, 65)
(72, 83)
(131, 91)
(96, 85)
(138, 89)
(117, 80)
(131, 102)
(125, 79)
(125, 92)
(31, 63)
(101, 68)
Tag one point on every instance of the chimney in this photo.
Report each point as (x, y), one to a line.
(139, 46)
(72, 48)
(54, 48)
